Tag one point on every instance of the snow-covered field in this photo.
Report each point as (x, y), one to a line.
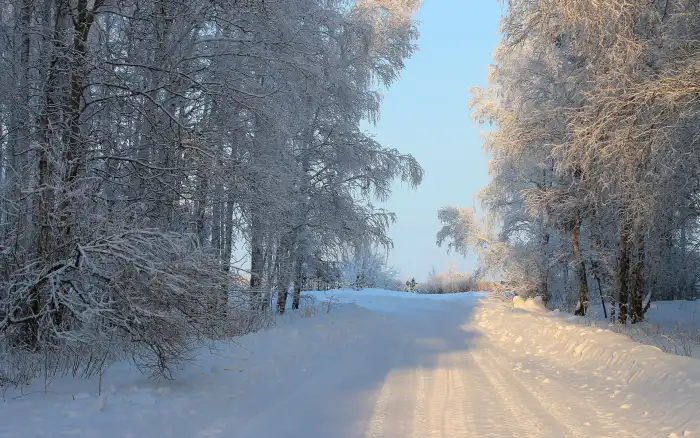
(672, 313)
(667, 314)
(673, 326)
(387, 364)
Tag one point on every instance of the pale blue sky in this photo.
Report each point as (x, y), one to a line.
(426, 113)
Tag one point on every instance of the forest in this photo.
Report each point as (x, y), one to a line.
(144, 142)
(145, 145)
(593, 198)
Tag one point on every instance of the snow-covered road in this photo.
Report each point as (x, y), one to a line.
(390, 366)
(427, 370)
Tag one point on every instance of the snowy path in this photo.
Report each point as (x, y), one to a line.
(429, 374)
(418, 368)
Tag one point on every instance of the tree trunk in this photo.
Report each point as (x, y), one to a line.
(581, 270)
(201, 209)
(226, 244)
(75, 151)
(637, 280)
(565, 268)
(682, 281)
(19, 132)
(270, 262)
(283, 271)
(284, 286)
(596, 276)
(298, 274)
(256, 260)
(544, 286)
(46, 212)
(18, 142)
(623, 275)
(282, 298)
(217, 219)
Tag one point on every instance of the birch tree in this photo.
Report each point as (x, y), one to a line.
(595, 121)
(142, 142)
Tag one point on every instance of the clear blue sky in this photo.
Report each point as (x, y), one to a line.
(426, 113)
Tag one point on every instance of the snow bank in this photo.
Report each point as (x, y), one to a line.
(673, 326)
(651, 379)
(534, 305)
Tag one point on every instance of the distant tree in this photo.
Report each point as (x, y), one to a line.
(411, 285)
(367, 268)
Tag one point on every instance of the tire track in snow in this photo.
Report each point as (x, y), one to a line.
(376, 424)
(398, 422)
(473, 396)
(523, 417)
(393, 381)
(484, 410)
(445, 418)
(437, 403)
(486, 414)
(419, 418)
(456, 401)
(579, 410)
(553, 409)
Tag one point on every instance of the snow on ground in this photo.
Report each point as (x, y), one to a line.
(673, 313)
(666, 314)
(644, 385)
(387, 364)
(392, 302)
(534, 305)
(673, 326)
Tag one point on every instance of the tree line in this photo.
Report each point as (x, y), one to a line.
(594, 154)
(142, 142)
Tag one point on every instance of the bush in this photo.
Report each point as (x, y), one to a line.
(143, 295)
(452, 281)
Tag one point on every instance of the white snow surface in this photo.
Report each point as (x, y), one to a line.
(674, 313)
(664, 314)
(674, 326)
(530, 304)
(387, 364)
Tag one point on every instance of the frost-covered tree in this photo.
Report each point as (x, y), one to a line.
(593, 152)
(366, 267)
(141, 142)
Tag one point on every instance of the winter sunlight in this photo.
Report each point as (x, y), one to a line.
(349, 218)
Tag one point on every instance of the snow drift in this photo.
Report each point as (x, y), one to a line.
(530, 304)
(651, 380)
